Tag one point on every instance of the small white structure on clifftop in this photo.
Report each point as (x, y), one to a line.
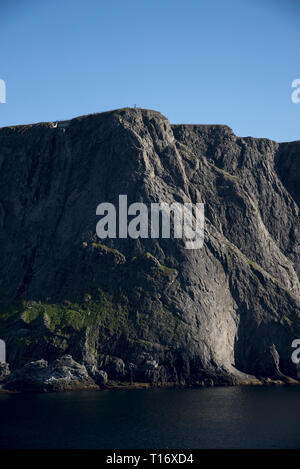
(59, 124)
(2, 351)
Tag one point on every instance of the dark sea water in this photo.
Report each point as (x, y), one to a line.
(253, 417)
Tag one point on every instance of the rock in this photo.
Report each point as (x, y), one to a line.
(29, 378)
(100, 377)
(64, 374)
(115, 367)
(214, 315)
(4, 371)
(270, 363)
(151, 371)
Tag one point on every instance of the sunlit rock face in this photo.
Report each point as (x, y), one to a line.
(149, 309)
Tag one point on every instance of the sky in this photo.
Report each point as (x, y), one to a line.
(202, 62)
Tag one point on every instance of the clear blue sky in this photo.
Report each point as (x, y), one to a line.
(225, 62)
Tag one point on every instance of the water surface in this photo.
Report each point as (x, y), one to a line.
(232, 417)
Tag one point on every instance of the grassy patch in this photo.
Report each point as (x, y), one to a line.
(107, 249)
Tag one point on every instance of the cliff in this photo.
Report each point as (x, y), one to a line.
(149, 309)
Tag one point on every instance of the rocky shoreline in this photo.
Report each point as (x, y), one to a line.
(65, 374)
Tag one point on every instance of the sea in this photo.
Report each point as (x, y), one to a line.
(220, 417)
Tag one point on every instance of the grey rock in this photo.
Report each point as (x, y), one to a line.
(114, 366)
(214, 315)
(4, 371)
(101, 377)
(64, 374)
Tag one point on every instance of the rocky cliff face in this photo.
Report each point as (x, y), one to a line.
(148, 309)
